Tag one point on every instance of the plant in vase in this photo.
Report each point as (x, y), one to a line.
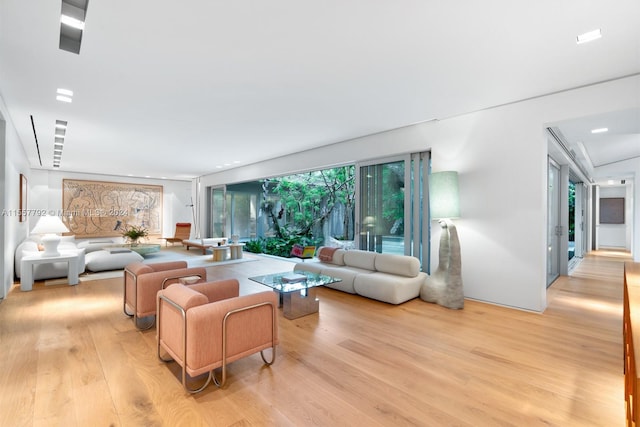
(133, 233)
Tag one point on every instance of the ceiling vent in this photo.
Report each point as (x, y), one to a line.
(72, 24)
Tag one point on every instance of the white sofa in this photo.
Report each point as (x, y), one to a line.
(385, 277)
(93, 256)
(99, 257)
(52, 270)
(204, 244)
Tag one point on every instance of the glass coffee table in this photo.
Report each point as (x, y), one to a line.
(297, 290)
(141, 248)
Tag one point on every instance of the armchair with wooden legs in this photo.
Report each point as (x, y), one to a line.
(206, 326)
(183, 232)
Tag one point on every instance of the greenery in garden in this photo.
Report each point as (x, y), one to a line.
(298, 206)
(572, 211)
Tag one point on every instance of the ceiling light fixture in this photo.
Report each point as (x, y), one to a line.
(589, 36)
(72, 22)
(73, 16)
(600, 130)
(66, 92)
(60, 131)
(64, 95)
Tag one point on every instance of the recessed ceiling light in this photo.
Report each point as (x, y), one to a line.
(61, 124)
(64, 98)
(66, 92)
(589, 37)
(600, 130)
(72, 22)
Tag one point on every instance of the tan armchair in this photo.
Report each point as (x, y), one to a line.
(207, 326)
(143, 281)
(183, 232)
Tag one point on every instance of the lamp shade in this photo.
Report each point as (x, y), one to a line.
(49, 225)
(444, 200)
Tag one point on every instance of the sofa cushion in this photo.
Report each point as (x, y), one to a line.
(52, 270)
(389, 287)
(360, 259)
(312, 267)
(93, 245)
(104, 260)
(348, 276)
(401, 265)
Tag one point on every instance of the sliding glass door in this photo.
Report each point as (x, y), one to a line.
(391, 211)
(218, 216)
(554, 227)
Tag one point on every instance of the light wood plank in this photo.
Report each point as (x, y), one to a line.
(71, 357)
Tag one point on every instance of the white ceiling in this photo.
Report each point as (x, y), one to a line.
(179, 89)
(620, 142)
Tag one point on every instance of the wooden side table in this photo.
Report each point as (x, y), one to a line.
(236, 250)
(219, 252)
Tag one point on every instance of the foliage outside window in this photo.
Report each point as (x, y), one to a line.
(306, 208)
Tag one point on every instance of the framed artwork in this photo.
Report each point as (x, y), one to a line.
(102, 209)
(612, 210)
(22, 215)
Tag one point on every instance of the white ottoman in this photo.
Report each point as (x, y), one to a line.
(113, 259)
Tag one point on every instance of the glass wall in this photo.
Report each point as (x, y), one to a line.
(393, 209)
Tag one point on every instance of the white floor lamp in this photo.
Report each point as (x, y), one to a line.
(444, 286)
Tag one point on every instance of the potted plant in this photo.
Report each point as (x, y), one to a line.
(133, 233)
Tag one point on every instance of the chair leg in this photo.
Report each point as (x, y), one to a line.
(151, 320)
(273, 356)
(210, 377)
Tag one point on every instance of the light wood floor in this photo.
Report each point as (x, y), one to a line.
(71, 358)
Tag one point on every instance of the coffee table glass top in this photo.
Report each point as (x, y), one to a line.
(294, 281)
(141, 248)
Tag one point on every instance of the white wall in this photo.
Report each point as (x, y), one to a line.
(14, 162)
(615, 235)
(629, 167)
(46, 194)
(501, 157)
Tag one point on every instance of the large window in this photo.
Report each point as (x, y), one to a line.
(392, 209)
(319, 208)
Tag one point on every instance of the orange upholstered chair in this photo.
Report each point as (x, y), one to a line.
(205, 326)
(143, 281)
(183, 232)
